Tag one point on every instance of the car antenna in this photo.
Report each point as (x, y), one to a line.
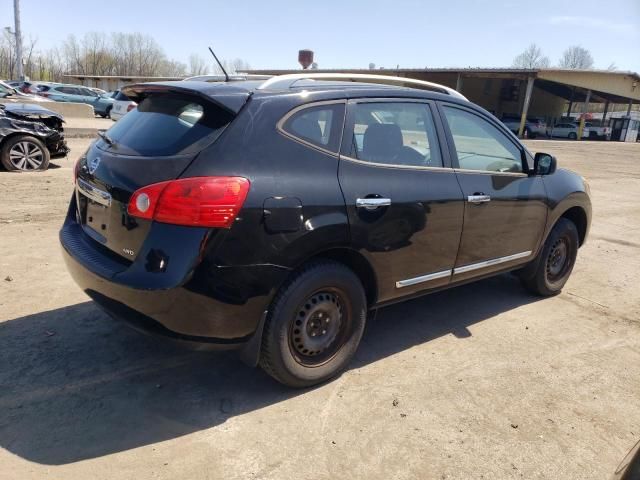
(226, 75)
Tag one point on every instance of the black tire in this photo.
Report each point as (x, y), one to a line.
(550, 270)
(573, 136)
(322, 291)
(37, 158)
(108, 112)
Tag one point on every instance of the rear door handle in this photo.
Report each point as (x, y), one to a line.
(372, 203)
(478, 198)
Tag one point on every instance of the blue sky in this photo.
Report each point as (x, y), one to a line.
(411, 33)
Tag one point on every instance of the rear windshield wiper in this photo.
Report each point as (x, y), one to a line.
(103, 135)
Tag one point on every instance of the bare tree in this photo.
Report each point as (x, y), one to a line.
(97, 53)
(576, 57)
(236, 65)
(532, 57)
(197, 65)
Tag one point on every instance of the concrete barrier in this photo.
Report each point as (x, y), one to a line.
(66, 109)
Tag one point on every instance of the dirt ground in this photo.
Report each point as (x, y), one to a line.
(482, 381)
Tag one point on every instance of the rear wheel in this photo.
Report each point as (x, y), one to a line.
(551, 269)
(573, 136)
(24, 153)
(314, 325)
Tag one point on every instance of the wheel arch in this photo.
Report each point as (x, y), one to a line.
(7, 138)
(354, 261)
(578, 216)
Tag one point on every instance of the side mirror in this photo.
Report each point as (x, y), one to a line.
(544, 164)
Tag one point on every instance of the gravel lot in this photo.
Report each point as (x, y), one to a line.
(482, 381)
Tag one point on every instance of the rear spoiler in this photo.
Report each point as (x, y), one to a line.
(227, 96)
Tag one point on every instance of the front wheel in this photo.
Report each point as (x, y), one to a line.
(314, 325)
(550, 270)
(24, 153)
(573, 136)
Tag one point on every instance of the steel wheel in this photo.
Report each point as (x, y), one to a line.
(26, 155)
(549, 271)
(558, 261)
(318, 330)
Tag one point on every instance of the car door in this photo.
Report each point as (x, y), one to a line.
(93, 99)
(61, 94)
(505, 210)
(563, 130)
(403, 200)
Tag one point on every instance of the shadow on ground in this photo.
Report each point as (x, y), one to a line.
(75, 385)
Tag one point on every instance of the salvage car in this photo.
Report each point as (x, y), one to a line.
(9, 93)
(271, 216)
(30, 135)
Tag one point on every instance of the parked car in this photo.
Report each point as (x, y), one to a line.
(7, 92)
(532, 128)
(567, 130)
(29, 136)
(598, 132)
(99, 91)
(76, 93)
(34, 88)
(121, 105)
(270, 216)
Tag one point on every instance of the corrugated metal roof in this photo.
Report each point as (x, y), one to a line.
(515, 71)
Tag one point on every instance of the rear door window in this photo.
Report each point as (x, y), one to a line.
(390, 133)
(165, 125)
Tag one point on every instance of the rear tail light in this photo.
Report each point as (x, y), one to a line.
(131, 106)
(198, 201)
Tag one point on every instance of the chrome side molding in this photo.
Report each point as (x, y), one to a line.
(423, 278)
(488, 263)
(466, 268)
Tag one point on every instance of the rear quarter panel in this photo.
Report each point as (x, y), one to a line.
(279, 169)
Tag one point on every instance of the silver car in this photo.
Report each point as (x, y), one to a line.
(567, 130)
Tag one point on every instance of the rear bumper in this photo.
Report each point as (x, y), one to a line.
(191, 300)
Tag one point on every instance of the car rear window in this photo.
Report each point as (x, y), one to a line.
(165, 125)
(122, 97)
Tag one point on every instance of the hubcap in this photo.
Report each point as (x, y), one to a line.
(316, 332)
(26, 156)
(557, 260)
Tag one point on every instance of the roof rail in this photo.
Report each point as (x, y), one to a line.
(289, 80)
(240, 77)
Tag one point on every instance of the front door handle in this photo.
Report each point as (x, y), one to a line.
(479, 198)
(372, 203)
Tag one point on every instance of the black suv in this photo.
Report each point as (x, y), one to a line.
(271, 216)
